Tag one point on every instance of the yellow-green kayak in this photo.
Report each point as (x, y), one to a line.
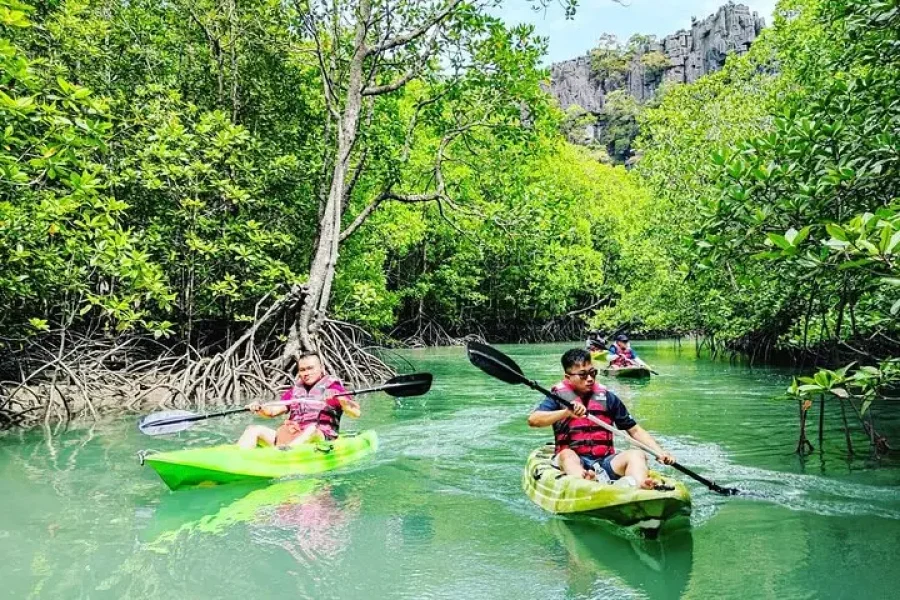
(629, 372)
(227, 463)
(622, 504)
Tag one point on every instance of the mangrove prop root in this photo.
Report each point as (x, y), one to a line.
(821, 420)
(846, 427)
(68, 376)
(803, 444)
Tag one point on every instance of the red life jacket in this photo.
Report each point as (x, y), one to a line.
(311, 406)
(579, 433)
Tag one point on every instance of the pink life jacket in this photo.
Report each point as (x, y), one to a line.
(579, 433)
(310, 406)
(623, 358)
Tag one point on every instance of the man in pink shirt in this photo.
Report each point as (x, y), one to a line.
(314, 406)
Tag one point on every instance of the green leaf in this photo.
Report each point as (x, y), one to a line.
(865, 407)
(836, 232)
(39, 324)
(853, 264)
(892, 244)
(779, 240)
(797, 237)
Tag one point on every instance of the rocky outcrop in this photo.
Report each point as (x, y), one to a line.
(691, 54)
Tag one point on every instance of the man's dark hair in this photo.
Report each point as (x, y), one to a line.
(575, 356)
(309, 355)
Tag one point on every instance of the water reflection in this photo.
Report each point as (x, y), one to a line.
(313, 513)
(314, 525)
(603, 559)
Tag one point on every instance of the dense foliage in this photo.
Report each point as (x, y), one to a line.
(777, 180)
(163, 167)
(162, 170)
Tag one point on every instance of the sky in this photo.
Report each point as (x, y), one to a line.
(571, 38)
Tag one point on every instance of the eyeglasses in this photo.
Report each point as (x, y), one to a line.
(584, 374)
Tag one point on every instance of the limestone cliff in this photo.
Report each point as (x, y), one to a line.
(691, 54)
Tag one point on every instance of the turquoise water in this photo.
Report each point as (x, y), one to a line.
(439, 513)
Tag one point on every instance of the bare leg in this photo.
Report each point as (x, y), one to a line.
(570, 464)
(310, 435)
(633, 463)
(254, 434)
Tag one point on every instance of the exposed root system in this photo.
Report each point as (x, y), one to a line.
(63, 375)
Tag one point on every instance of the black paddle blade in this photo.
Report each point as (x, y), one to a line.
(413, 384)
(495, 363)
(167, 421)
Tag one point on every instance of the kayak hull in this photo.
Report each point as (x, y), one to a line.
(627, 372)
(227, 463)
(628, 506)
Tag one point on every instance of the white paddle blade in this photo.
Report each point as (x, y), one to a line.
(167, 421)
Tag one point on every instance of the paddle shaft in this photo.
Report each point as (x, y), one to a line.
(244, 409)
(199, 417)
(710, 484)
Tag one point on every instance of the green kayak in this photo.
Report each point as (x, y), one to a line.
(622, 504)
(630, 372)
(227, 463)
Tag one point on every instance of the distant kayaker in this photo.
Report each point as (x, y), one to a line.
(621, 354)
(595, 345)
(584, 449)
(314, 406)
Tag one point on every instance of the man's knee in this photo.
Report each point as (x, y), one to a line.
(627, 457)
(256, 430)
(568, 455)
(636, 456)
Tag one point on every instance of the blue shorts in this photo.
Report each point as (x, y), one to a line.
(588, 463)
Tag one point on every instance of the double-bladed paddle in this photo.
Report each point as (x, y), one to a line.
(172, 421)
(498, 365)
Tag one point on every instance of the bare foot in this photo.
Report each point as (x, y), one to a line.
(648, 484)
